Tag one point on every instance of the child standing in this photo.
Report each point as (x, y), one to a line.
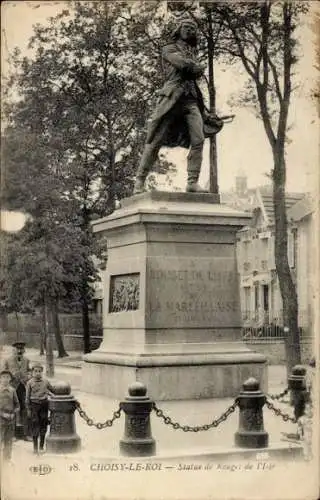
(310, 379)
(9, 413)
(305, 431)
(37, 392)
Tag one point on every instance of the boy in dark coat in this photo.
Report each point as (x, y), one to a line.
(19, 367)
(9, 413)
(37, 392)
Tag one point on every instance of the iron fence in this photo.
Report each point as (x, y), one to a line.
(266, 333)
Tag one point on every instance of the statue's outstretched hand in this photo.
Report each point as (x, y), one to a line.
(195, 69)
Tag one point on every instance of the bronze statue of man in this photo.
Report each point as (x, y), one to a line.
(178, 117)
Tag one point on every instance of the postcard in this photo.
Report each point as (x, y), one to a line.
(159, 303)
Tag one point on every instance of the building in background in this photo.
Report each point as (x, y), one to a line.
(261, 302)
(301, 223)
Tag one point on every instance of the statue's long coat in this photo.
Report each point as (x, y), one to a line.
(180, 68)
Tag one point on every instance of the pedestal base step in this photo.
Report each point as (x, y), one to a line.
(173, 377)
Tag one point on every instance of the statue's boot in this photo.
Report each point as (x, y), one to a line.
(147, 160)
(195, 188)
(194, 166)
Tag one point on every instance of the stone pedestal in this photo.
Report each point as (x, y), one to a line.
(171, 307)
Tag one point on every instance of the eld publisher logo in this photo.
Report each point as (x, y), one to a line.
(41, 470)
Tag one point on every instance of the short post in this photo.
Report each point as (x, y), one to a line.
(62, 436)
(251, 433)
(137, 439)
(298, 390)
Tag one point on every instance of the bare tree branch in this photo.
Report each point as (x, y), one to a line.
(275, 79)
(287, 62)
(247, 62)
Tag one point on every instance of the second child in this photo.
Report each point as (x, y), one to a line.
(37, 391)
(9, 411)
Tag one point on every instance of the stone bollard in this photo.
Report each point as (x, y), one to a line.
(298, 390)
(137, 440)
(251, 433)
(62, 437)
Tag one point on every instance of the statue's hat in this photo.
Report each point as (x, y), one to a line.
(185, 18)
(176, 22)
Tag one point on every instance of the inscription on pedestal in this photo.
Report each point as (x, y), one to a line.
(124, 292)
(193, 293)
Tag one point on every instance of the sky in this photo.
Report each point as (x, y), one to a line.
(242, 145)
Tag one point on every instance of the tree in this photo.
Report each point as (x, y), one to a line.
(315, 94)
(84, 97)
(25, 183)
(262, 35)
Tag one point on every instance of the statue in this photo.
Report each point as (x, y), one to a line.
(180, 117)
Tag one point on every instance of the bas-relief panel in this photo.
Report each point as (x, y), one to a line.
(124, 292)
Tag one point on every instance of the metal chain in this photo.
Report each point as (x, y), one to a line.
(98, 425)
(280, 413)
(188, 428)
(279, 396)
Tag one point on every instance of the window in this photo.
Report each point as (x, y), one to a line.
(245, 251)
(271, 259)
(246, 255)
(264, 247)
(291, 245)
(247, 296)
(295, 247)
(264, 253)
(256, 299)
(265, 289)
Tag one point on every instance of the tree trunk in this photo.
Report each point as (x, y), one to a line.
(85, 286)
(4, 321)
(85, 326)
(48, 331)
(287, 286)
(57, 333)
(18, 326)
(42, 332)
(213, 166)
(213, 160)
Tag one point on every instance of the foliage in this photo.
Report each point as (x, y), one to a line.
(73, 136)
(87, 92)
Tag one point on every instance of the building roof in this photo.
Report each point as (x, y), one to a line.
(297, 205)
(301, 209)
(267, 201)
